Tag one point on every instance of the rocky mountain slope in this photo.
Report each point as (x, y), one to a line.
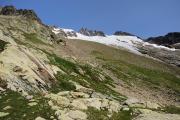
(127, 42)
(59, 74)
(170, 40)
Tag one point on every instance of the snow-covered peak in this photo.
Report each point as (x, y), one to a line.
(126, 42)
(58, 30)
(129, 43)
(67, 30)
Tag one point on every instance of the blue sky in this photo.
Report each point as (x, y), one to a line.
(144, 18)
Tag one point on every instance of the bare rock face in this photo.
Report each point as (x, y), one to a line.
(16, 26)
(123, 33)
(27, 71)
(170, 40)
(88, 32)
(168, 56)
(8, 10)
(12, 11)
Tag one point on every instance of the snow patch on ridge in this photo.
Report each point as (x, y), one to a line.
(129, 43)
(158, 46)
(126, 42)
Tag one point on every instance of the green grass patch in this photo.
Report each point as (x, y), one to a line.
(2, 45)
(62, 84)
(65, 65)
(91, 77)
(131, 73)
(172, 109)
(95, 114)
(32, 37)
(20, 110)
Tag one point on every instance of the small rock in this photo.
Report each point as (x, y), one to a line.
(79, 95)
(1, 89)
(3, 114)
(59, 100)
(74, 74)
(40, 118)
(79, 104)
(17, 69)
(29, 97)
(125, 109)
(133, 102)
(152, 105)
(63, 93)
(32, 104)
(7, 107)
(114, 106)
(94, 102)
(77, 115)
(80, 88)
(52, 117)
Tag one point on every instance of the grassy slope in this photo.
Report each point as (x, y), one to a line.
(131, 68)
(141, 71)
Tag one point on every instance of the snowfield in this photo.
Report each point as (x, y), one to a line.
(127, 42)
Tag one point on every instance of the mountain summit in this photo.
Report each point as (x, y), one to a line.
(12, 11)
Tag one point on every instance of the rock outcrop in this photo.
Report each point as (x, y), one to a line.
(170, 40)
(12, 11)
(72, 105)
(88, 32)
(169, 56)
(19, 27)
(28, 71)
(123, 33)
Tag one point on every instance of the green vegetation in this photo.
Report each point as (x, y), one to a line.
(32, 37)
(2, 45)
(139, 75)
(96, 53)
(95, 114)
(63, 84)
(156, 76)
(172, 109)
(92, 77)
(19, 108)
(65, 65)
